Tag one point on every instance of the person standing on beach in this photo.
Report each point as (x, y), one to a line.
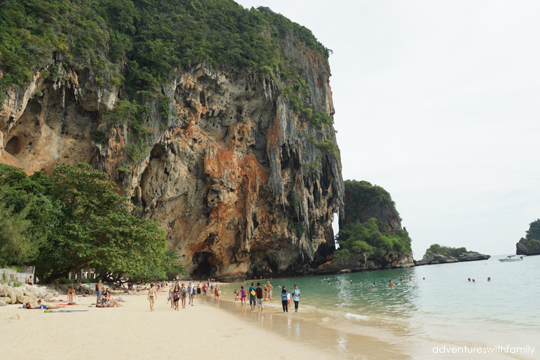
(260, 293)
(270, 288)
(191, 291)
(176, 297)
(296, 297)
(217, 294)
(252, 293)
(204, 289)
(242, 296)
(98, 291)
(171, 298)
(284, 299)
(183, 293)
(152, 296)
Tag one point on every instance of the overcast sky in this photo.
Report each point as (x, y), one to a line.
(439, 103)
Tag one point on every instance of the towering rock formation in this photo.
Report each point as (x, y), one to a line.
(369, 215)
(244, 182)
(364, 201)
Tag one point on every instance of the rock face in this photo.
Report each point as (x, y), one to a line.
(444, 259)
(361, 263)
(528, 247)
(236, 177)
(363, 201)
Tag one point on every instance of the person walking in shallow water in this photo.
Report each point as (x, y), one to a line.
(152, 296)
(296, 297)
(284, 299)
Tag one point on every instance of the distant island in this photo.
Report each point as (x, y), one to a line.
(530, 245)
(437, 254)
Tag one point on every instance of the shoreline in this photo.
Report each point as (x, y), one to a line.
(91, 333)
(306, 327)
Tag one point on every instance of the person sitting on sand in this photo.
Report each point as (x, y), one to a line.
(111, 303)
(30, 282)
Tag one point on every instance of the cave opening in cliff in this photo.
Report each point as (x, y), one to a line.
(203, 269)
(13, 146)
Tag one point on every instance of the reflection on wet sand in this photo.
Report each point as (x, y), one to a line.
(296, 326)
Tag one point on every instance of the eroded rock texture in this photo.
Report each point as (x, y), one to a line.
(236, 178)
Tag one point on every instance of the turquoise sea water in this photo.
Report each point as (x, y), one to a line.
(443, 309)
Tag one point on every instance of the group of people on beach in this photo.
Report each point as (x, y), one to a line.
(258, 295)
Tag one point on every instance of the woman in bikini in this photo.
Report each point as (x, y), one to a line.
(176, 297)
(217, 293)
(152, 296)
(242, 296)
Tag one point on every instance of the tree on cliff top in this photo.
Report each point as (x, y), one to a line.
(445, 250)
(156, 36)
(534, 230)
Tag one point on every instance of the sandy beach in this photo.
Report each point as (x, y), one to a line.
(133, 332)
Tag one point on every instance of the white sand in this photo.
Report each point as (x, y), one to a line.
(133, 332)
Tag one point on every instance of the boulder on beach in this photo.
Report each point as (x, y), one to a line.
(26, 299)
(2, 303)
(5, 299)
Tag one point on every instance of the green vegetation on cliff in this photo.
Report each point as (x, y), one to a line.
(156, 36)
(74, 220)
(445, 250)
(374, 237)
(534, 230)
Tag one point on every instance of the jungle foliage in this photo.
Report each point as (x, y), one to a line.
(534, 230)
(73, 220)
(372, 238)
(445, 250)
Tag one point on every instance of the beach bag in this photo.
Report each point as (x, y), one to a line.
(252, 292)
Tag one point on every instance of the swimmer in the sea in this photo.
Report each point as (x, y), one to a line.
(390, 284)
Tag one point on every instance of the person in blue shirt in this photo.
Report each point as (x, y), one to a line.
(251, 292)
(296, 297)
(284, 299)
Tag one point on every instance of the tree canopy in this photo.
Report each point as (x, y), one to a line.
(155, 36)
(373, 239)
(74, 220)
(534, 230)
(445, 250)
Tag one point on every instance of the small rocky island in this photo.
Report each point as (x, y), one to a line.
(437, 254)
(530, 245)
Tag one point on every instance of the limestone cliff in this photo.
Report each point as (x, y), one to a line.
(528, 247)
(237, 177)
(370, 236)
